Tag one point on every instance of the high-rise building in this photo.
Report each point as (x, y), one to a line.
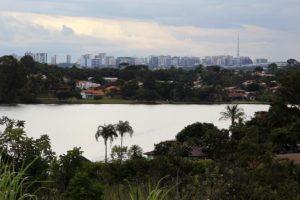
(41, 57)
(53, 60)
(101, 57)
(68, 59)
(261, 60)
(128, 60)
(110, 61)
(95, 62)
(86, 61)
(175, 61)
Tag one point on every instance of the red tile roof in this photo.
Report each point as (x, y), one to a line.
(112, 87)
(94, 92)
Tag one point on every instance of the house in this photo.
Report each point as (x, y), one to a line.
(195, 154)
(261, 74)
(92, 94)
(86, 85)
(110, 79)
(112, 88)
(248, 82)
(236, 94)
(274, 89)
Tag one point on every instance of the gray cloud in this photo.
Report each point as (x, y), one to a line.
(276, 14)
(226, 18)
(67, 31)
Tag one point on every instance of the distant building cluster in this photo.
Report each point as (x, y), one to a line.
(38, 57)
(43, 58)
(101, 60)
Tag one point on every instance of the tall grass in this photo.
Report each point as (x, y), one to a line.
(13, 184)
(156, 193)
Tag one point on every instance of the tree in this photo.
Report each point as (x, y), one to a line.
(129, 90)
(28, 62)
(83, 187)
(290, 88)
(123, 128)
(194, 133)
(13, 77)
(292, 62)
(214, 68)
(135, 151)
(258, 69)
(117, 153)
(107, 132)
(232, 112)
(272, 68)
(64, 169)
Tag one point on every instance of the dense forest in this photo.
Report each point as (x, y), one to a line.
(26, 81)
(240, 162)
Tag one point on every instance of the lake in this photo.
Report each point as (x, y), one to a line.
(75, 125)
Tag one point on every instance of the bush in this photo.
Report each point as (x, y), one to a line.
(67, 95)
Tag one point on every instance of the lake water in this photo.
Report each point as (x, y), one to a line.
(75, 125)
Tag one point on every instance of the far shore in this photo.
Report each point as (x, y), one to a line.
(124, 101)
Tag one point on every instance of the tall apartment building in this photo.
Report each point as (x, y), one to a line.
(68, 59)
(110, 61)
(41, 57)
(86, 61)
(53, 60)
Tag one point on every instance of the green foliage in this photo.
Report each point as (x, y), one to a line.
(67, 95)
(290, 88)
(135, 151)
(193, 133)
(12, 78)
(83, 187)
(232, 112)
(129, 89)
(118, 153)
(64, 169)
(107, 132)
(156, 193)
(14, 184)
(122, 128)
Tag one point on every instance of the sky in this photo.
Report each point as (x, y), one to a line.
(267, 28)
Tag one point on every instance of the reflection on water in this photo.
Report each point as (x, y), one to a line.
(75, 125)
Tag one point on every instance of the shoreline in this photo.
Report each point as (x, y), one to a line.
(123, 101)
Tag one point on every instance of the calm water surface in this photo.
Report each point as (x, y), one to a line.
(75, 125)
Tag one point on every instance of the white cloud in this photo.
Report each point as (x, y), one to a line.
(132, 37)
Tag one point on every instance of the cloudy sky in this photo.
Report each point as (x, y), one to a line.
(267, 28)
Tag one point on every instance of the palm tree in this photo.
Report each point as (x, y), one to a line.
(232, 112)
(123, 128)
(135, 151)
(106, 132)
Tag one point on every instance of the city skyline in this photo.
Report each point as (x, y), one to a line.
(140, 28)
(153, 61)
